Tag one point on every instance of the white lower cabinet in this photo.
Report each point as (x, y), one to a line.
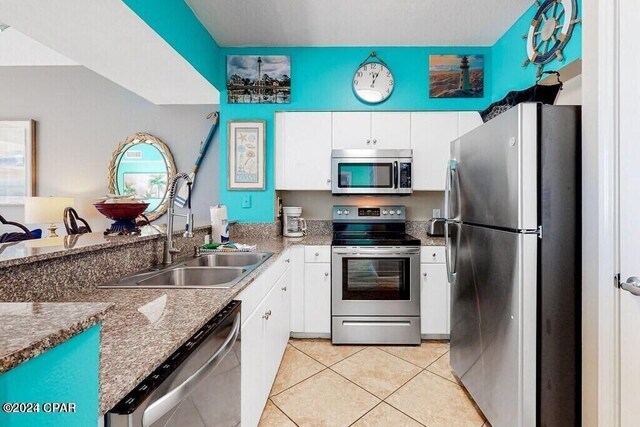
(434, 300)
(264, 337)
(317, 298)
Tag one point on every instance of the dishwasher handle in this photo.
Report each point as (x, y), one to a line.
(166, 403)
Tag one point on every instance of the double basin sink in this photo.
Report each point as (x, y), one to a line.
(216, 270)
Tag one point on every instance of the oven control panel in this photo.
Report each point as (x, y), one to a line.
(369, 213)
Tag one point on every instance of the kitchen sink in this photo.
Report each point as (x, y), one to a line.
(229, 260)
(194, 277)
(220, 270)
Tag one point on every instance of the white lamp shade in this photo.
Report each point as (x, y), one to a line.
(45, 210)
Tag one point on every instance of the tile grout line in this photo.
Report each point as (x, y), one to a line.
(408, 361)
(284, 413)
(324, 364)
(363, 415)
(299, 382)
(441, 376)
(396, 390)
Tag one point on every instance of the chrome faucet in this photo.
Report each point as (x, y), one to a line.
(169, 250)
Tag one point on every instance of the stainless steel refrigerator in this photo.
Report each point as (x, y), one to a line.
(513, 257)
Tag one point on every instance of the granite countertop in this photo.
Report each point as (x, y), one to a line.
(48, 324)
(145, 326)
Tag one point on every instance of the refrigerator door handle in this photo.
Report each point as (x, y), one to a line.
(450, 182)
(451, 262)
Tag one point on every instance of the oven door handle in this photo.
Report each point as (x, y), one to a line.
(377, 251)
(166, 403)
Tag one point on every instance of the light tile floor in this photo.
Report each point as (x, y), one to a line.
(319, 384)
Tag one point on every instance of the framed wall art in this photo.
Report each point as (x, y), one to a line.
(255, 79)
(17, 161)
(456, 76)
(246, 155)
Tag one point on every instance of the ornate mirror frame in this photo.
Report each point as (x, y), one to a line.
(143, 138)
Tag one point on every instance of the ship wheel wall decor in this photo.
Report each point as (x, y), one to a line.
(550, 31)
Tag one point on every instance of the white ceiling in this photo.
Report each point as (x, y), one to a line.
(110, 39)
(358, 22)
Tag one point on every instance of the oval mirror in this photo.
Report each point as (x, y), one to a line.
(141, 166)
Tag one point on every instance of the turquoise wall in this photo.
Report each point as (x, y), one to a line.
(321, 78)
(509, 53)
(67, 373)
(321, 81)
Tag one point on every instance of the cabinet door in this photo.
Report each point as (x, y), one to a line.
(317, 298)
(272, 355)
(469, 121)
(253, 396)
(431, 134)
(296, 288)
(391, 130)
(304, 158)
(284, 322)
(434, 300)
(351, 130)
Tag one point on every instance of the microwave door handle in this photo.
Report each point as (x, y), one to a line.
(395, 175)
(166, 403)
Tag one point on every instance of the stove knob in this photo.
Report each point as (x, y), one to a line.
(346, 211)
(339, 212)
(391, 212)
(398, 212)
(384, 211)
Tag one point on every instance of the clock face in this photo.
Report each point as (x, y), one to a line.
(373, 83)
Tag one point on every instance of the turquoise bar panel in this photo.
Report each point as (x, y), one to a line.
(68, 373)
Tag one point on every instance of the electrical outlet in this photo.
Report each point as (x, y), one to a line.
(436, 213)
(246, 201)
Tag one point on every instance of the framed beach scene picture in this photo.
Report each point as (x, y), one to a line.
(456, 76)
(253, 79)
(246, 155)
(17, 161)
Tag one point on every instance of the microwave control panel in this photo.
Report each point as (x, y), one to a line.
(405, 175)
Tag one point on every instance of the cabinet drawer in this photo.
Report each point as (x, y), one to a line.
(432, 255)
(317, 254)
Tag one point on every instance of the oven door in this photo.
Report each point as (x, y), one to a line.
(380, 281)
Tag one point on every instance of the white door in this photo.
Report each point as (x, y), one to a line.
(391, 130)
(431, 134)
(434, 300)
(629, 213)
(303, 151)
(351, 130)
(317, 298)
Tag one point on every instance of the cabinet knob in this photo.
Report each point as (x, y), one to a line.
(375, 141)
(326, 274)
(434, 255)
(317, 253)
(267, 314)
(287, 260)
(368, 141)
(284, 288)
(424, 274)
(328, 181)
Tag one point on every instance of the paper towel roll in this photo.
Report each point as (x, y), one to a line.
(219, 224)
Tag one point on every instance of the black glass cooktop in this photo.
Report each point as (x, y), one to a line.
(367, 238)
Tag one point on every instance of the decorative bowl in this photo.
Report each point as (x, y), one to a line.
(121, 211)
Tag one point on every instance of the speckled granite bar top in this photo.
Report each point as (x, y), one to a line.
(29, 329)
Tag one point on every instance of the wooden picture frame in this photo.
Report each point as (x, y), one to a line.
(246, 155)
(17, 161)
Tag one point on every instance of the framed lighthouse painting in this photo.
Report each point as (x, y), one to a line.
(253, 79)
(456, 76)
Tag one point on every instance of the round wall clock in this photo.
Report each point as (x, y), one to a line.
(550, 31)
(373, 80)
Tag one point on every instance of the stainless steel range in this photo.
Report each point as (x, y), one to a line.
(375, 286)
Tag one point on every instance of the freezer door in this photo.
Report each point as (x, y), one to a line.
(493, 323)
(494, 173)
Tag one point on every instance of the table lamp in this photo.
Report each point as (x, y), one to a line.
(46, 210)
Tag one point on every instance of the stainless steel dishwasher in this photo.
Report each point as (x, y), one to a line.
(198, 385)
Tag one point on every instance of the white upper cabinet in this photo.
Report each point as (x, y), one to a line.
(368, 130)
(351, 130)
(303, 151)
(431, 134)
(391, 130)
(469, 120)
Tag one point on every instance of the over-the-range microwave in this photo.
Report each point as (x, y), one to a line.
(371, 172)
